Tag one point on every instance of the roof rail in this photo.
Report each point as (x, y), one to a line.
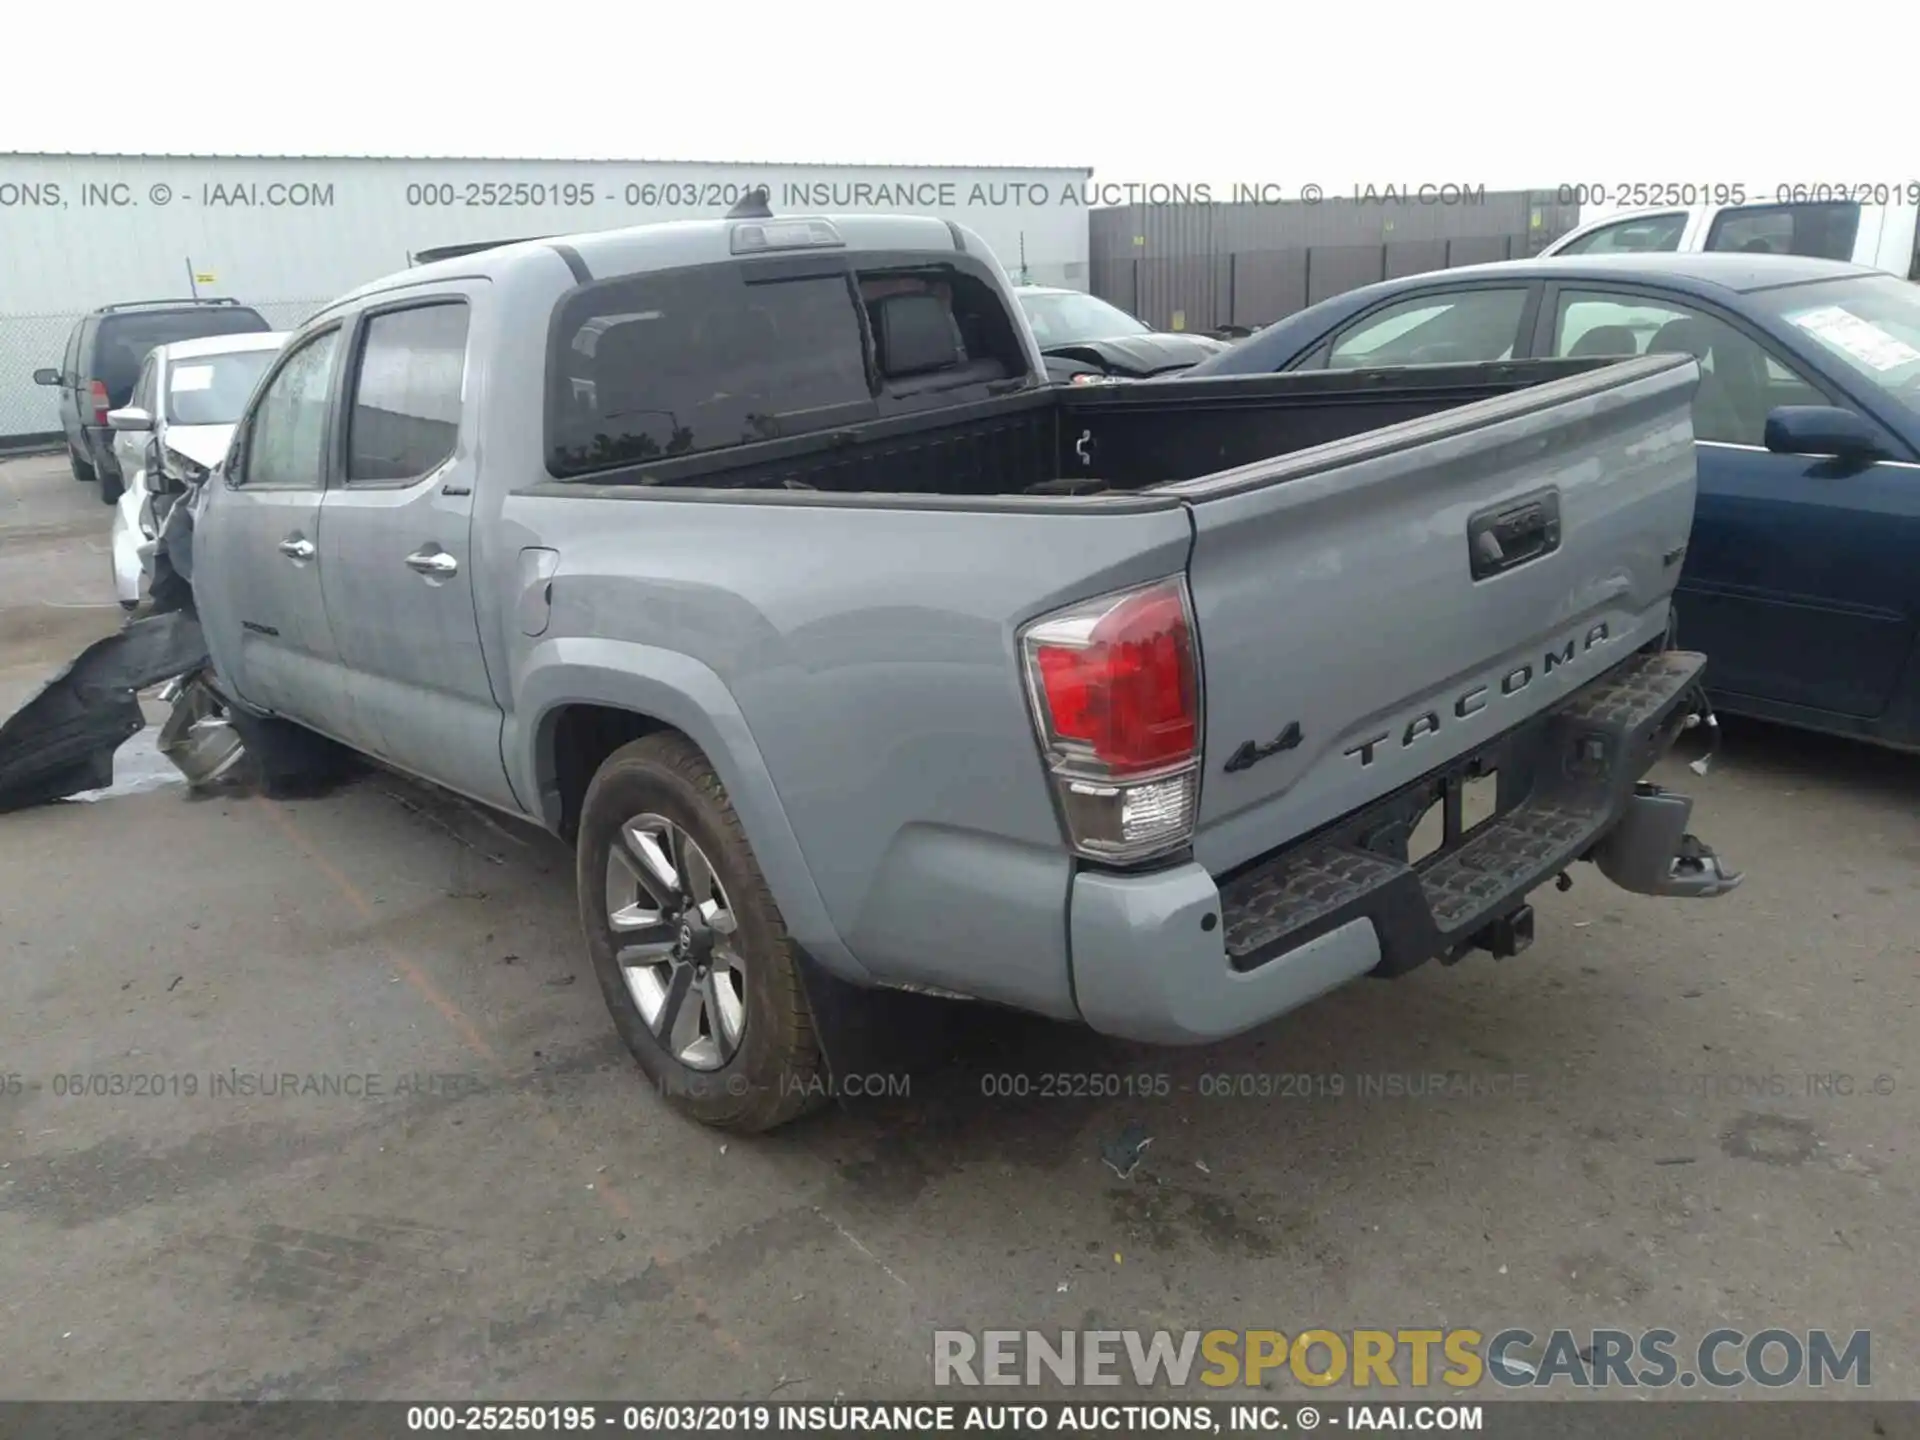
(175, 302)
(470, 247)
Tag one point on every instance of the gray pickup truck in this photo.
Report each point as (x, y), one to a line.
(757, 559)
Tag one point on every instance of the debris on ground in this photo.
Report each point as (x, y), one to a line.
(1122, 1154)
(62, 741)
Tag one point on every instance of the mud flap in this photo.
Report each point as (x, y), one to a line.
(62, 741)
(880, 1031)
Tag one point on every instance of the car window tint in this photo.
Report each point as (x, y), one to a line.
(1468, 325)
(124, 340)
(1636, 236)
(287, 437)
(70, 367)
(1739, 381)
(654, 366)
(406, 396)
(1824, 231)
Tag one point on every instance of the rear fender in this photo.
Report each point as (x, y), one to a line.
(680, 692)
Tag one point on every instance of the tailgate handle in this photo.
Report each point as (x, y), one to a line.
(1507, 536)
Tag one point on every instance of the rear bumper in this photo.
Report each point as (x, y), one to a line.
(1178, 957)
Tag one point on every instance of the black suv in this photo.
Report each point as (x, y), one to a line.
(103, 361)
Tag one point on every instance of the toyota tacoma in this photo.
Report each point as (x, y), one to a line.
(758, 559)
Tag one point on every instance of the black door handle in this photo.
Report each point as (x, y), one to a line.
(1509, 535)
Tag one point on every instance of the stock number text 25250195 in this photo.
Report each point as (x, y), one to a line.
(577, 194)
(1074, 1085)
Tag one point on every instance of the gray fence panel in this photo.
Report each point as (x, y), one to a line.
(1280, 257)
(1335, 269)
(1479, 250)
(1416, 257)
(1268, 285)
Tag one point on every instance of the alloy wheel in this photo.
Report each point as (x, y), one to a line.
(674, 937)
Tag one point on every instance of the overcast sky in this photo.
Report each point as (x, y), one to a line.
(1516, 95)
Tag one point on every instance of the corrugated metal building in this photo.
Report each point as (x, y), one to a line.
(287, 234)
(1202, 266)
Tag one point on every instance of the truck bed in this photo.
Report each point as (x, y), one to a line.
(1095, 439)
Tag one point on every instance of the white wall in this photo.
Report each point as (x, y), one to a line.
(286, 235)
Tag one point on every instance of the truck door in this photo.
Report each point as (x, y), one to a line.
(256, 545)
(395, 557)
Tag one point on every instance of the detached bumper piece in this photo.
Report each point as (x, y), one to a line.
(62, 741)
(1569, 789)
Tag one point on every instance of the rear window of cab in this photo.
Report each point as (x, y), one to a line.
(674, 363)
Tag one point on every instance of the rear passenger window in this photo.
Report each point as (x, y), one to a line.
(1823, 231)
(677, 363)
(1465, 326)
(405, 414)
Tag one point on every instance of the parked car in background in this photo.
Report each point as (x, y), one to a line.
(173, 431)
(1883, 237)
(102, 362)
(1802, 576)
(1083, 337)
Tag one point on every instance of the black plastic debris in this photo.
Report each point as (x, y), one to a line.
(62, 741)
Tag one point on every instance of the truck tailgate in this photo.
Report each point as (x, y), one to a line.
(1370, 609)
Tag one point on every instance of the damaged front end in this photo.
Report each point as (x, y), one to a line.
(62, 741)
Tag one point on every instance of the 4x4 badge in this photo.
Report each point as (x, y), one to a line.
(1250, 754)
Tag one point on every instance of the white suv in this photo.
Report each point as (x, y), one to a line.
(1881, 236)
(173, 431)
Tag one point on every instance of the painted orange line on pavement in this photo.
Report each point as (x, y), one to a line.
(416, 977)
(470, 1035)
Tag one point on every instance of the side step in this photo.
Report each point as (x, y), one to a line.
(1573, 772)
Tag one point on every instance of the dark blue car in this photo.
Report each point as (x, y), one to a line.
(1802, 579)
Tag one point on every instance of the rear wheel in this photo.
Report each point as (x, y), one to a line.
(82, 470)
(690, 950)
(110, 486)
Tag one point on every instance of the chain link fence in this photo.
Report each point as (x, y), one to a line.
(33, 342)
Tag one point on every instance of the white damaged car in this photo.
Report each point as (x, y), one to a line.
(173, 431)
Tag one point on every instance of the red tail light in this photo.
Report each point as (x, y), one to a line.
(1128, 693)
(97, 394)
(1115, 687)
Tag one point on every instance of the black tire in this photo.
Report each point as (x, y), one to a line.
(110, 486)
(82, 470)
(776, 1075)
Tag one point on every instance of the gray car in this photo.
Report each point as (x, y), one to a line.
(758, 560)
(102, 361)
